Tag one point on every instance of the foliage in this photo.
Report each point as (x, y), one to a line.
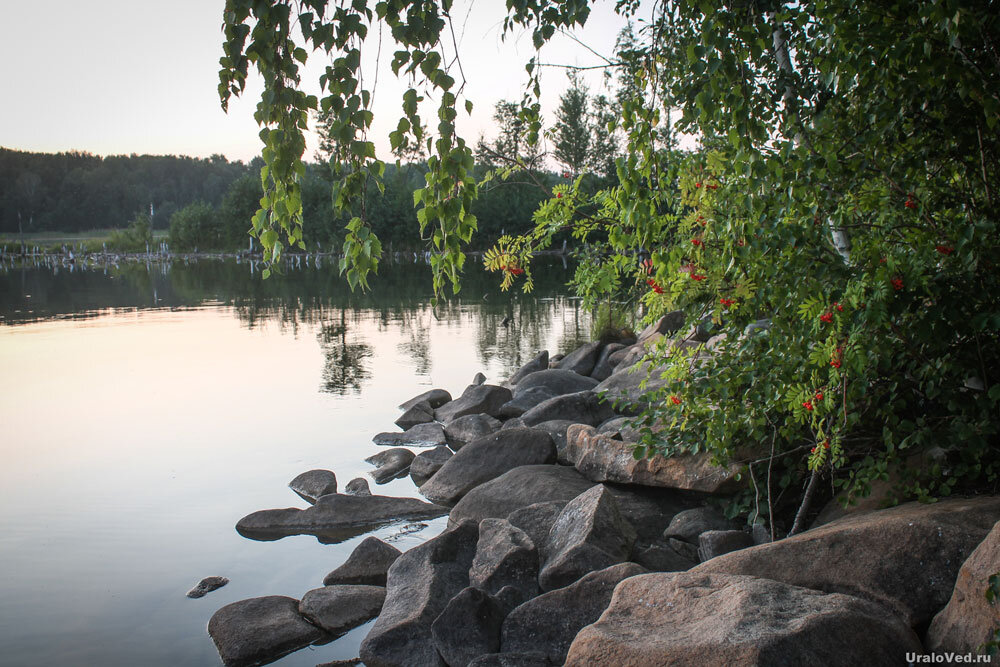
(138, 237)
(194, 228)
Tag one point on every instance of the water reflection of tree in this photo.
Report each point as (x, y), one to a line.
(344, 368)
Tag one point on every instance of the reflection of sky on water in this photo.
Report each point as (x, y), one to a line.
(134, 438)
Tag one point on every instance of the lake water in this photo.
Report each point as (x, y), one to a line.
(146, 408)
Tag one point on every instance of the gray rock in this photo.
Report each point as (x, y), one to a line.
(558, 381)
(206, 586)
(539, 363)
(435, 398)
(584, 407)
(391, 463)
(557, 429)
(589, 534)
(338, 609)
(357, 487)
(428, 434)
(628, 358)
(625, 383)
(662, 557)
(427, 463)
(335, 517)
(667, 324)
(261, 630)
(714, 543)
(505, 557)
(582, 359)
(689, 524)
(486, 459)
(350, 662)
(421, 413)
(464, 430)
(481, 399)
(513, 422)
(367, 565)
(468, 627)
(523, 402)
(421, 583)
(613, 426)
(478, 379)
(606, 362)
(532, 659)
(536, 521)
(313, 484)
(760, 326)
(549, 622)
(687, 550)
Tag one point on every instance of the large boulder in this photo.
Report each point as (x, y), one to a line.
(713, 543)
(337, 609)
(969, 620)
(602, 458)
(505, 556)
(428, 434)
(582, 359)
(486, 459)
(606, 362)
(464, 430)
(557, 429)
(557, 381)
(261, 630)
(539, 363)
(519, 488)
(536, 522)
(477, 399)
(589, 534)
(468, 627)
(426, 464)
(419, 413)
(367, 564)
(531, 659)
(689, 524)
(390, 464)
(549, 622)
(313, 484)
(631, 382)
(905, 558)
(660, 556)
(524, 401)
(688, 618)
(434, 398)
(421, 583)
(664, 326)
(336, 517)
(584, 407)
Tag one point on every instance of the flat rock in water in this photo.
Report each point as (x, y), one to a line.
(582, 359)
(367, 564)
(314, 484)
(357, 487)
(486, 459)
(206, 586)
(539, 363)
(905, 558)
(688, 618)
(524, 401)
(468, 627)
(337, 609)
(421, 583)
(969, 620)
(549, 622)
(505, 556)
(435, 398)
(480, 399)
(420, 413)
(428, 434)
(583, 407)
(557, 381)
(391, 463)
(464, 430)
(589, 534)
(261, 630)
(426, 464)
(336, 517)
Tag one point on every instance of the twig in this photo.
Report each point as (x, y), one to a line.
(800, 516)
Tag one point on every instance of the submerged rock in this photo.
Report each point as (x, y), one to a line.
(336, 517)
(367, 565)
(428, 434)
(337, 609)
(687, 618)
(206, 586)
(486, 459)
(261, 630)
(478, 399)
(465, 429)
(314, 484)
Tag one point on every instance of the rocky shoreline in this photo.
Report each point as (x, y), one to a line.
(562, 548)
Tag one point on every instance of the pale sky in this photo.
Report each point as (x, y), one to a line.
(120, 77)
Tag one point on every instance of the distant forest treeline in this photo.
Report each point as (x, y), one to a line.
(207, 203)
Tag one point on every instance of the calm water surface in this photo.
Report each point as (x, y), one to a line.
(145, 409)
